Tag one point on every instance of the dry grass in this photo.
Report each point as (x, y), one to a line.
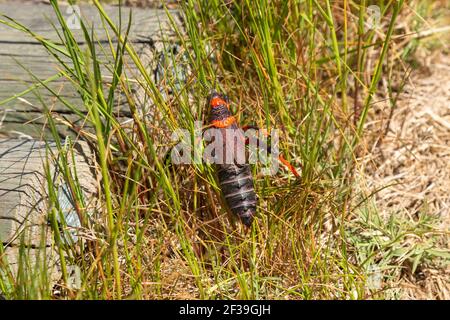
(413, 158)
(309, 241)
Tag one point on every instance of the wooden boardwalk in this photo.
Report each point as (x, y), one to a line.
(24, 196)
(22, 58)
(23, 185)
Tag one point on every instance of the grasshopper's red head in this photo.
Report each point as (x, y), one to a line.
(218, 100)
(219, 111)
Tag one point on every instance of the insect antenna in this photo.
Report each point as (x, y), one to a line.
(205, 89)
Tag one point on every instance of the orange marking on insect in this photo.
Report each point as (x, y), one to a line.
(224, 123)
(217, 101)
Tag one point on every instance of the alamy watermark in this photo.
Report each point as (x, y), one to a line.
(226, 146)
(373, 17)
(374, 278)
(73, 18)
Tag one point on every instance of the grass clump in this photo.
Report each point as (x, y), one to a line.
(308, 68)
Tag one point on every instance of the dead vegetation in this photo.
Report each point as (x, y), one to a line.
(409, 163)
(396, 242)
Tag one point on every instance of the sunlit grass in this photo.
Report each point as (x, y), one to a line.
(161, 232)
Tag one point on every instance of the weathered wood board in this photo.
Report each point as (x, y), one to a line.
(24, 195)
(23, 185)
(20, 54)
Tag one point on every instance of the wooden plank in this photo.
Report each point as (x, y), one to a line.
(32, 130)
(148, 28)
(24, 227)
(33, 263)
(23, 189)
(15, 79)
(24, 222)
(24, 192)
(38, 17)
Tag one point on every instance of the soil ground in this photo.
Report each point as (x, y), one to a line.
(413, 159)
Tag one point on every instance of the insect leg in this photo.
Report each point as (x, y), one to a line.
(266, 147)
